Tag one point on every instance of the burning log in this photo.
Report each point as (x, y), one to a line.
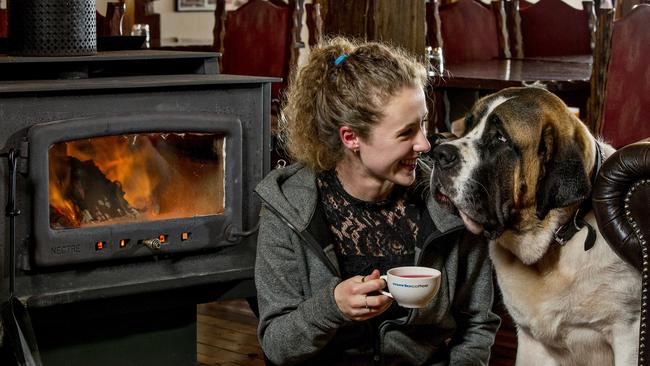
(95, 198)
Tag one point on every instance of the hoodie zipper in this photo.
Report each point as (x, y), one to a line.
(435, 235)
(306, 237)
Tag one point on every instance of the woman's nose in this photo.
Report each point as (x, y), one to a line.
(422, 144)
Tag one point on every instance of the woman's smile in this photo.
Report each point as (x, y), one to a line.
(410, 164)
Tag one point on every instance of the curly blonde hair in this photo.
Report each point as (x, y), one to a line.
(325, 96)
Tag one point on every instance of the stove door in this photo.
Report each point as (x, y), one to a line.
(134, 185)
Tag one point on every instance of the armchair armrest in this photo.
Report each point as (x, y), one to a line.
(621, 202)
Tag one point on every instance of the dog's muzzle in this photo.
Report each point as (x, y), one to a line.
(446, 185)
(445, 156)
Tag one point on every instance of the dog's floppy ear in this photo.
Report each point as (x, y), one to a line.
(562, 179)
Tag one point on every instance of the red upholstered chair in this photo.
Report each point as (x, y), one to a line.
(626, 104)
(3, 22)
(257, 39)
(111, 23)
(469, 31)
(623, 7)
(465, 30)
(553, 28)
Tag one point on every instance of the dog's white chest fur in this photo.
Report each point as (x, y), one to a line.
(572, 307)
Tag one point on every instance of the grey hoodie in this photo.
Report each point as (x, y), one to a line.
(295, 276)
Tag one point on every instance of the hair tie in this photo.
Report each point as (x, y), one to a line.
(340, 59)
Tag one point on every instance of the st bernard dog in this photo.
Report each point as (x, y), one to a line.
(521, 175)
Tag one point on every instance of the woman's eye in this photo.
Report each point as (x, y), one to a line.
(406, 133)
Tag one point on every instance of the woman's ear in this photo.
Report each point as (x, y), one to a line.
(349, 138)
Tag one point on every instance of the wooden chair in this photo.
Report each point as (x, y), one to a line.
(111, 23)
(551, 28)
(3, 23)
(623, 7)
(143, 12)
(465, 30)
(258, 39)
(261, 38)
(400, 22)
(600, 60)
(625, 116)
(468, 31)
(314, 22)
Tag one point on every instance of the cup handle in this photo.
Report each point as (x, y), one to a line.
(384, 277)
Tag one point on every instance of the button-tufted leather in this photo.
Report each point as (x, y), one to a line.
(621, 201)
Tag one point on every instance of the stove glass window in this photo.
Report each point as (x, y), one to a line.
(137, 177)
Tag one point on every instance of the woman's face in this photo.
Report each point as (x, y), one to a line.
(389, 153)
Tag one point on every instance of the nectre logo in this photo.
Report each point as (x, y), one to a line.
(66, 249)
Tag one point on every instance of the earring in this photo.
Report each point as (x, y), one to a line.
(356, 151)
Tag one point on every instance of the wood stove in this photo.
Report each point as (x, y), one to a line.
(129, 198)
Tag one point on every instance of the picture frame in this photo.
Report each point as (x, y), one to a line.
(196, 5)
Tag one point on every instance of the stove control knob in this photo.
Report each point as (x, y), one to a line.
(153, 244)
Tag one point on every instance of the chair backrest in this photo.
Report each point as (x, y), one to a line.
(553, 28)
(626, 103)
(144, 13)
(600, 60)
(111, 23)
(257, 39)
(3, 23)
(469, 31)
(314, 22)
(623, 7)
(399, 22)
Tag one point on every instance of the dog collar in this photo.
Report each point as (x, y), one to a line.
(565, 232)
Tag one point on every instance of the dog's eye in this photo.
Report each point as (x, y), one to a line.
(499, 136)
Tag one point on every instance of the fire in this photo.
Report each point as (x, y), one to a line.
(135, 177)
(123, 159)
(63, 207)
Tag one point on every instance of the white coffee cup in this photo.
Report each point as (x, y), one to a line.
(412, 286)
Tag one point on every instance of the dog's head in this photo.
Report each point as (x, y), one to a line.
(522, 155)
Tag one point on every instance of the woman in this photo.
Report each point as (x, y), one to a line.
(348, 210)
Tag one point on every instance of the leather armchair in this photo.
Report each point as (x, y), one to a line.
(621, 202)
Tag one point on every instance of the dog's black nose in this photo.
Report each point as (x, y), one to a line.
(445, 156)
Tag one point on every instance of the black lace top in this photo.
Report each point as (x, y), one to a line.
(369, 235)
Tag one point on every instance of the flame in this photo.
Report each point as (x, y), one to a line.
(143, 177)
(63, 207)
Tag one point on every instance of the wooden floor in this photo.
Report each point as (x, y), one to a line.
(226, 336)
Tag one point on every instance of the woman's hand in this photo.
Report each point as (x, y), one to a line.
(352, 297)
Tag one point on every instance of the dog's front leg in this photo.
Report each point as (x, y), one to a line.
(532, 353)
(625, 342)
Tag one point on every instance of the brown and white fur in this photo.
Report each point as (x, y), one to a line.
(520, 171)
